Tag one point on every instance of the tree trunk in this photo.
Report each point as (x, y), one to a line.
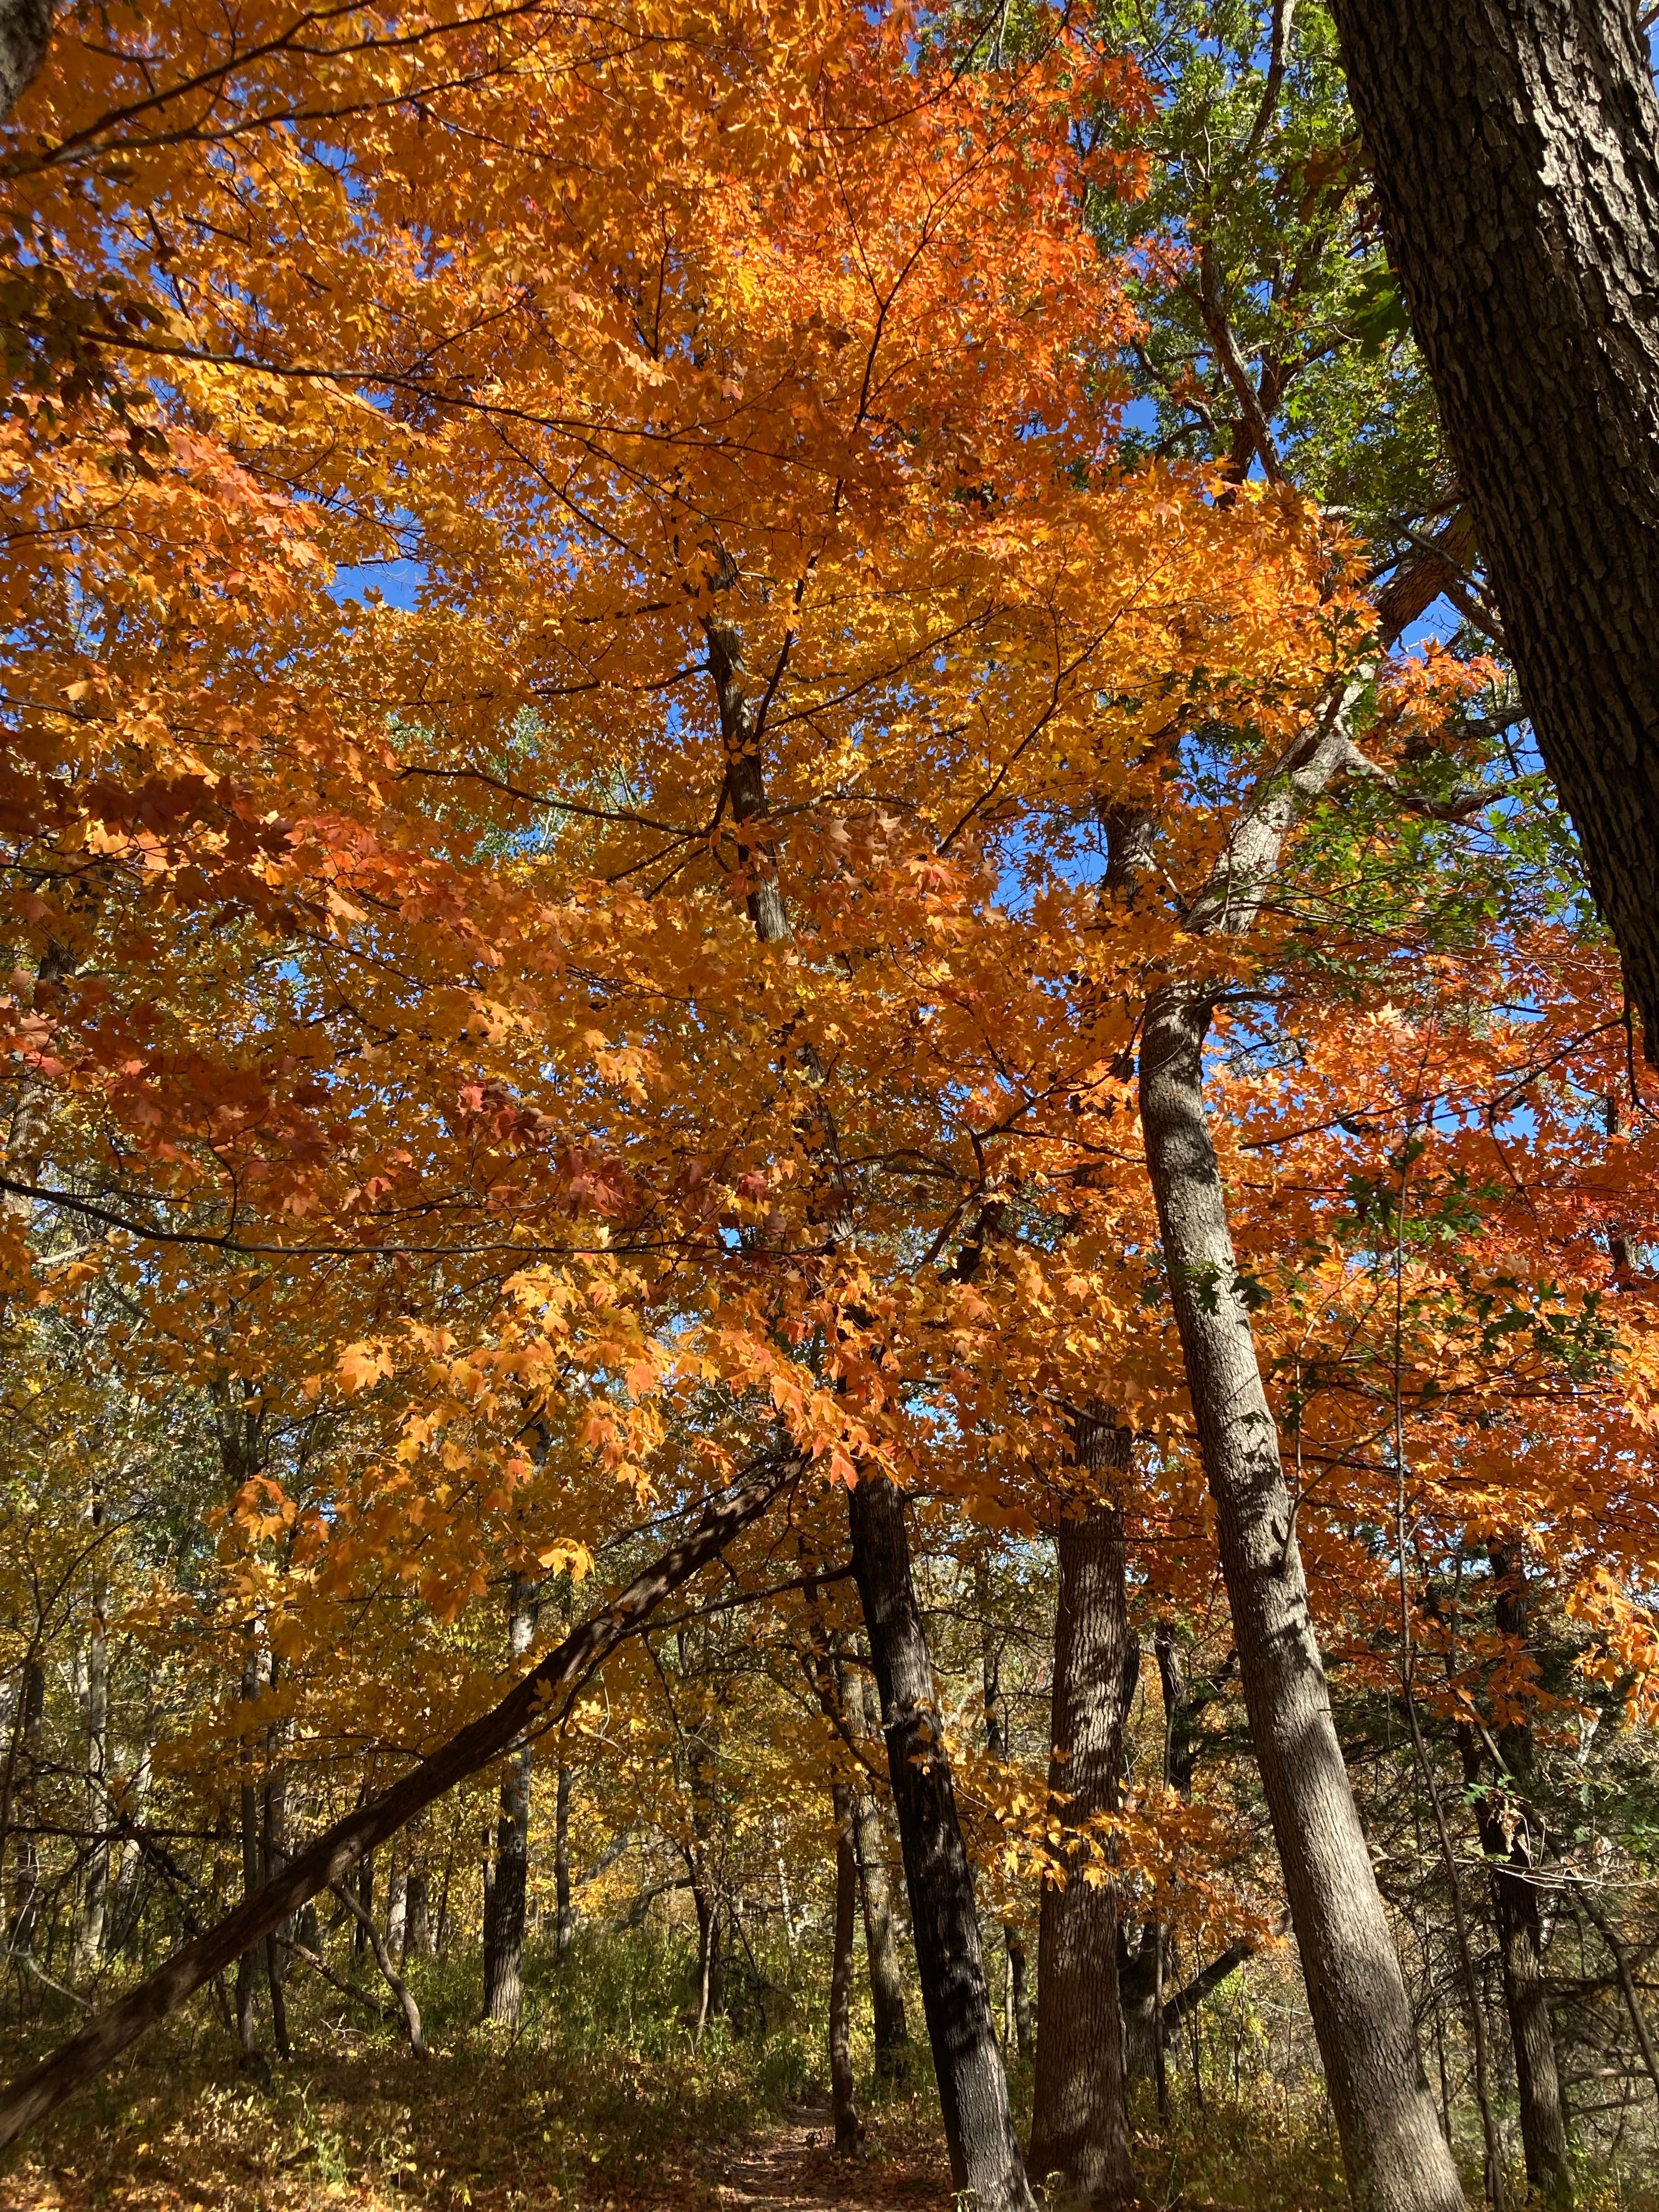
(247, 2033)
(711, 1956)
(565, 1908)
(417, 1926)
(1395, 2156)
(94, 1889)
(359, 1942)
(1018, 2008)
(504, 1932)
(979, 2129)
(397, 1917)
(707, 1887)
(850, 2129)
(1081, 2117)
(26, 1807)
(1515, 1911)
(891, 2029)
(411, 2012)
(25, 33)
(274, 1857)
(123, 1918)
(1516, 147)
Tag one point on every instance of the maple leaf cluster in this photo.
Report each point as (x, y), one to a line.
(656, 971)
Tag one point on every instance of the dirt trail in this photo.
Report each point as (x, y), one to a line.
(795, 2169)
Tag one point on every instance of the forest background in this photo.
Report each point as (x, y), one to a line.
(767, 836)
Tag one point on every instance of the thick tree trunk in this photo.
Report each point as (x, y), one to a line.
(25, 33)
(979, 2128)
(1515, 146)
(1395, 2156)
(850, 2129)
(504, 1931)
(891, 2029)
(1081, 2117)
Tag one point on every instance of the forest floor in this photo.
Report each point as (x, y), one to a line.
(605, 2101)
(793, 2167)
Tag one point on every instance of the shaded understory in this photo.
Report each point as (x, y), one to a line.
(605, 2101)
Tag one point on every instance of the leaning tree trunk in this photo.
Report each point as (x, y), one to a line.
(850, 2129)
(1516, 149)
(1396, 2158)
(504, 1931)
(1080, 2117)
(973, 2089)
(327, 1861)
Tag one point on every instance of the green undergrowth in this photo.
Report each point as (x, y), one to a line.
(605, 2099)
(605, 2094)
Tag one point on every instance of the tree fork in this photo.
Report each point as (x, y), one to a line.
(334, 1854)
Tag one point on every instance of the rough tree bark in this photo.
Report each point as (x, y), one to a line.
(504, 1927)
(850, 2129)
(1395, 2156)
(1081, 2114)
(25, 34)
(330, 1858)
(979, 2128)
(1516, 147)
